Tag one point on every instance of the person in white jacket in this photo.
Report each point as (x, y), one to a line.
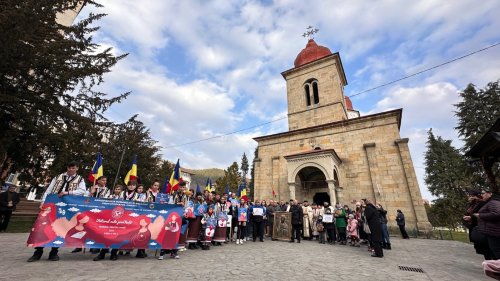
(68, 183)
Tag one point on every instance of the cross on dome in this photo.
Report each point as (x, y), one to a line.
(310, 32)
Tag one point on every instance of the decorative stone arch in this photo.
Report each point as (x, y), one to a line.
(326, 161)
(293, 175)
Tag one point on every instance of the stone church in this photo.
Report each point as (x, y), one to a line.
(330, 152)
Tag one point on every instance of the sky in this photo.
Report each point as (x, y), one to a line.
(200, 69)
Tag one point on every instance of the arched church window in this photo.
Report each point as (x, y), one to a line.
(315, 92)
(308, 94)
(311, 91)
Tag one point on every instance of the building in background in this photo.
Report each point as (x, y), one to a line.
(330, 152)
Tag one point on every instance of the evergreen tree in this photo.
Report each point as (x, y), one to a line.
(244, 168)
(477, 112)
(50, 110)
(445, 170)
(133, 138)
(446, 177)
(231, 178)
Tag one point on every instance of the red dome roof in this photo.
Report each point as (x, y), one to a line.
(310, 53)
(348, 103)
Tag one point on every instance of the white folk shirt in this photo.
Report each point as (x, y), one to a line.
(79, 191)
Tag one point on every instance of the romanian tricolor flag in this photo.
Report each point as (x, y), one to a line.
(173, 184)
(208, 186)
(97, 170)
(132, 173)
(242, 192)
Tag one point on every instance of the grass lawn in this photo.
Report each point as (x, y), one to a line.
(20, 225)
(451, 235)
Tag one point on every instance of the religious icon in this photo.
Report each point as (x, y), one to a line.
(282, 226)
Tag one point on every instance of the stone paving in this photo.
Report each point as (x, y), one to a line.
(271, 260)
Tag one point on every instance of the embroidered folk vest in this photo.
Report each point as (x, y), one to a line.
(66, 183)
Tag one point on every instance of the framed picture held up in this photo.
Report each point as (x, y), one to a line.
(282, 228)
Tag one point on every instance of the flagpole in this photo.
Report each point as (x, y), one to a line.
(119, 166)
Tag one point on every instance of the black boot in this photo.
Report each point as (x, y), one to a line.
(388, 246)
(114, 254)
(100, 256)
(37, 255)
(53, 254)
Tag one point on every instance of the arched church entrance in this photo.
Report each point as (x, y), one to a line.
(311, 185)
(321, 197)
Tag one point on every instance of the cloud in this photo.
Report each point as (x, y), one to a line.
(134, 215)
(73, 209)
(61, 204)
(153, 244)
(163, 212)
(90, 243)
(151, 216)
(201, 69)
(95, 210)
(57, 242)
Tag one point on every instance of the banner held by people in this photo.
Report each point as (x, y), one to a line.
(87, 222)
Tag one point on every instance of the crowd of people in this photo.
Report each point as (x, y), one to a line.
(365, 224)
(482, 219)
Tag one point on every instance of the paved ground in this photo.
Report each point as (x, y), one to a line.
(440, 260)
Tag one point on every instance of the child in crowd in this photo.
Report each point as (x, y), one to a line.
(141, 193)
(320, 228)
(329, 223)
(117, 190)
(352, 229)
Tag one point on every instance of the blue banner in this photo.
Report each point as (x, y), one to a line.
(87, 222)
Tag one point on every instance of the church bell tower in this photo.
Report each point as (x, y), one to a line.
(315, 88)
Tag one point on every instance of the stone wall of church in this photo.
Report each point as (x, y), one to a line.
(376, 164)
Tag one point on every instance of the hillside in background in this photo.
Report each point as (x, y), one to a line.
(201, 176)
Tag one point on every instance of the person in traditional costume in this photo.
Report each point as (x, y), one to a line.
(171, 234)
(242, 216)
(180, 197)
(306, 226)
(209, 223)
(315, 215)
(140, 197)
(194, 225)
(130, 193)
(100, 190)
(153, 191)
(221, 211)
(141, 193)
(117, 190)
(68, 183)
(233, 211)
